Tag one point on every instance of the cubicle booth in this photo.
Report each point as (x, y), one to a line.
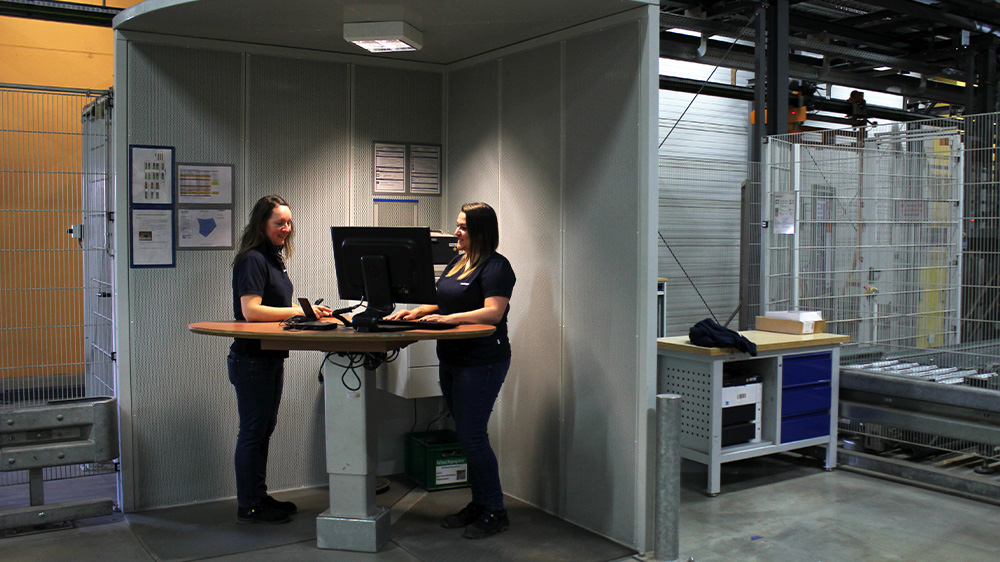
(545, 110)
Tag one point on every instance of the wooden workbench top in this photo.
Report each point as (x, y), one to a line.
(765, 341)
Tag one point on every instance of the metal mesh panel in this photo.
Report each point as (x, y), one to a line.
(877, 241)
(694, 382)
(896, 243)
(53, 173)
(178, 383)
(915, 445)
(98, 245)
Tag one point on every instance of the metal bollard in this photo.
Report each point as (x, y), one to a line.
(668, 478)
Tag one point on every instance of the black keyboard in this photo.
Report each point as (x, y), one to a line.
(415, 324)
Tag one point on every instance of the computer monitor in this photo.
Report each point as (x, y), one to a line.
(383, 266)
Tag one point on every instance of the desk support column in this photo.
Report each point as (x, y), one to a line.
(353, 521)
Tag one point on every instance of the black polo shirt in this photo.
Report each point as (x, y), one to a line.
(260, 272)
(493, 278)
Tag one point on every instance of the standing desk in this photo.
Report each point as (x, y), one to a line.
(799, 377)
(353, 521)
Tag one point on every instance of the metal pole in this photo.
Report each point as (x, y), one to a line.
(668, 478)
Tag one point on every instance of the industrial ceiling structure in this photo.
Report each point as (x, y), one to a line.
(939, 54)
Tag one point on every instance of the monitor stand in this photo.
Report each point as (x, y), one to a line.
(378, 293)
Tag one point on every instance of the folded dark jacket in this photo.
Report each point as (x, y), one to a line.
(709, 333)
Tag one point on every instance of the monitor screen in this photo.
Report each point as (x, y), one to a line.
(383, 266)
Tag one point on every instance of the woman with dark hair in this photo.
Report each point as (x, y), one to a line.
(475, 289)
(262, 292)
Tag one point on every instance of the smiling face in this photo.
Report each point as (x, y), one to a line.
(279, 225)
(461, 231)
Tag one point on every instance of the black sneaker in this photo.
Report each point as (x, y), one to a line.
(468, 514)
(261, 514)
(488, 524)
(288, 507)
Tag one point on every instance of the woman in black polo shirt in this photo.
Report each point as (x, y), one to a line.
(262, 292)
(474, 289)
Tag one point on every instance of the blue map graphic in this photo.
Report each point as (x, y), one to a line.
(206, 226)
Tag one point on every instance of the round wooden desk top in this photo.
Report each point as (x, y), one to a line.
(272, 336)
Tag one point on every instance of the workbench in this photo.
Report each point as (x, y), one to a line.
(798, 377)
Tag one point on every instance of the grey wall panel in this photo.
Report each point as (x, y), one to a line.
(569, 213)
(395, 106)
(473, 129)
(530, 176)
(285, 124)
(184, 411)
(702, 163)
(600, 262)
(298, 146)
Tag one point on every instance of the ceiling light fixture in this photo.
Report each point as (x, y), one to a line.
(384, 36)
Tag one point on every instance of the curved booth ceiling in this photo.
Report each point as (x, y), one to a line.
(453, 30)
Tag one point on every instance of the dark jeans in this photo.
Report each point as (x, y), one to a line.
(470, 393)
(258, 382)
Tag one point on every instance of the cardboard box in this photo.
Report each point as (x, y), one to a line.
(790, 326)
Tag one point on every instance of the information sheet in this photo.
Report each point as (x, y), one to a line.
(390, 168)
(152, 175)
(152, 237)
(425, 169)
(204, 228)
(204, 184)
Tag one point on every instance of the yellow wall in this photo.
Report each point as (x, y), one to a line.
(40, 53)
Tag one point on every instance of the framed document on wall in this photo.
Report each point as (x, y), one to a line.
(152, 174)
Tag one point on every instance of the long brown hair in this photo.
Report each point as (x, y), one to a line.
(483, 230)
(254, 235)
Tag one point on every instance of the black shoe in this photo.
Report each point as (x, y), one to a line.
(288, 507)
(468, 514)
(261, 514)
(488, 524)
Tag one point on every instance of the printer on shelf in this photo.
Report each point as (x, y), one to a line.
(741, 408)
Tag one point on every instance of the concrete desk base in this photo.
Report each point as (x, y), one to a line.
(353, 521)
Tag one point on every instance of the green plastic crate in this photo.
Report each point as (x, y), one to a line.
(435, 460)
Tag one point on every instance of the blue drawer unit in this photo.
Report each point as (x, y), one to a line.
(806, 396)
(805, 399)
(808, 368)
(796, 428)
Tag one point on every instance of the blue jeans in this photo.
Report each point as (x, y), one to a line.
(470, 393)
(258, 382)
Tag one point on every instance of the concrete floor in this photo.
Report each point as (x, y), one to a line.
(782, 508)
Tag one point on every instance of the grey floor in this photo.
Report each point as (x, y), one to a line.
(783, 508)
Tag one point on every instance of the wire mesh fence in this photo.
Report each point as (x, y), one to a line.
(54, 252)
(866, 226)
(891, 232)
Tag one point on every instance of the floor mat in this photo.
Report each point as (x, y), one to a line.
(533, 535)
(207, 530)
